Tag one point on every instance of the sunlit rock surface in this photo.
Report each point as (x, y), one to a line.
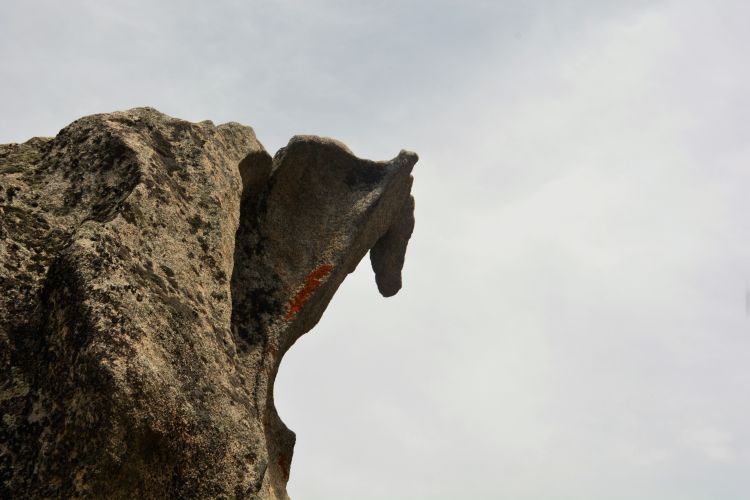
(153, 272)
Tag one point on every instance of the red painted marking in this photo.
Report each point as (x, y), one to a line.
(311, 284)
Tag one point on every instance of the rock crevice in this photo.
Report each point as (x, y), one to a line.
(153, 272)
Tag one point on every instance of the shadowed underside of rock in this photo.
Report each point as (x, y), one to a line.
(153, 272)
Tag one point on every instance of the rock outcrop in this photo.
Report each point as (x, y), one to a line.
(153, 272)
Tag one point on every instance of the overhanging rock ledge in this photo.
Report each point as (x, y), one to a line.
(153, 272)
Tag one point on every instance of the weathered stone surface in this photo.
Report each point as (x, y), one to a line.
(153, 272)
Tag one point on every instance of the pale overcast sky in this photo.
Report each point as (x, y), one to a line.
(573, 322)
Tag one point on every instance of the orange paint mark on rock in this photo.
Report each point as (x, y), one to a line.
(311, 284)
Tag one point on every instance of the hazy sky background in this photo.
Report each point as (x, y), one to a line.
(573, 322)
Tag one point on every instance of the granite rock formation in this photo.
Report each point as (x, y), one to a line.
(153, 272)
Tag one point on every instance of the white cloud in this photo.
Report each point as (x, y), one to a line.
(716, 445)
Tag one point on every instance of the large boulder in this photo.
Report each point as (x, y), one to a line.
(153, 272)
